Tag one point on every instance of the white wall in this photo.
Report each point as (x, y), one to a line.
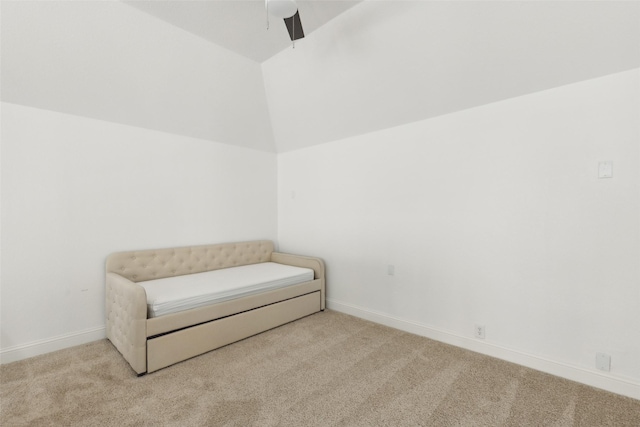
(76, 189)
(492, 216)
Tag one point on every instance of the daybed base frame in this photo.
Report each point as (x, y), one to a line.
(155, 343)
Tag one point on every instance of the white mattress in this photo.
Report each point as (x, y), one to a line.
(173, 294)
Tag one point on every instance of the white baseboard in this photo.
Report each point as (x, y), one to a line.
(621, 386)
(48, 345)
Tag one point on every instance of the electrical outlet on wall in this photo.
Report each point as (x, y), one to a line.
(479, 331)
(603, 361)
(605, 170)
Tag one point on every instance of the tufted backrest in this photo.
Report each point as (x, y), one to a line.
(139, 266)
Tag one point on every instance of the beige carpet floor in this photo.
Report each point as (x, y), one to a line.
(328, 369)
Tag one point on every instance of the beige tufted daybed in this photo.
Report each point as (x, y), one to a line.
(151, 343)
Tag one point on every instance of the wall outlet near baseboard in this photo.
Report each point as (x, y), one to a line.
(479, 331)
(603, 361)
(605, 170)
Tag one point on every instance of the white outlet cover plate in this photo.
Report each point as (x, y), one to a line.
(603, 361)
(605, 170)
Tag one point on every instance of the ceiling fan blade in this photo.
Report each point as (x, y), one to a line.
(294, 26)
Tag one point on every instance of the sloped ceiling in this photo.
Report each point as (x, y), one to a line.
(384, 64)
(241, 25)
(108, 61)
(374, 65)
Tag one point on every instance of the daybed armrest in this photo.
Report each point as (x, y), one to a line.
(126, 308)
(316, 264)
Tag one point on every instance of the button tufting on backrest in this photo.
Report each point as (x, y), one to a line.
(159, 263)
